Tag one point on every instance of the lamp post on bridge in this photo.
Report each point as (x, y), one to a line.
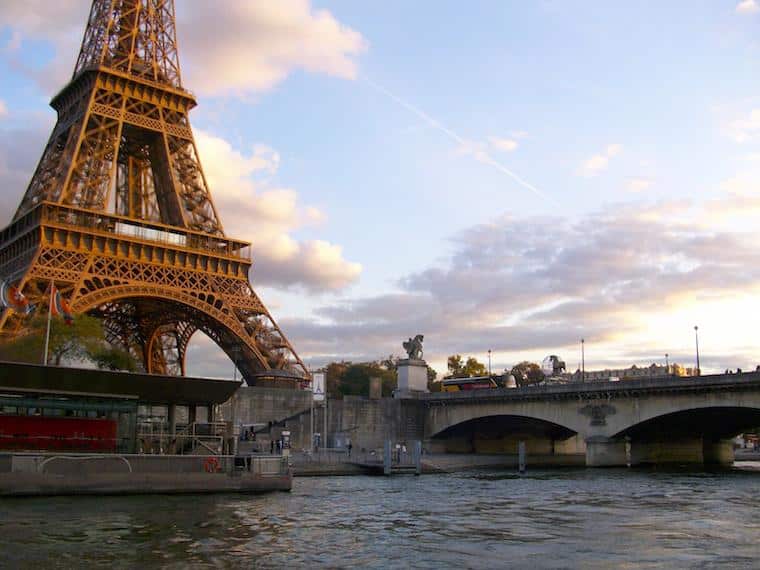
(696, 341)
(667, 364)
(489, 362)
(583, 360)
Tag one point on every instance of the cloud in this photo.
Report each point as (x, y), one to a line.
(747, 128)
(3, 109)
(504, 145)
(256, 45)
(252, 47)
(60, 23)
(20, 150)
(599, 162)
(747, 7)
(639, 184)
(605, 277)
(250, 208)
(740, 185)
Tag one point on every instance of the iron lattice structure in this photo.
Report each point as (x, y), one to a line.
(119, 216)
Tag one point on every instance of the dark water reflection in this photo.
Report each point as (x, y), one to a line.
(487, 519)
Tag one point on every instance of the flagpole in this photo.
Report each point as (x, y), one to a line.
(47, 334)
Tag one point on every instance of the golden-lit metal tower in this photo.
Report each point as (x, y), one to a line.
(119, 216)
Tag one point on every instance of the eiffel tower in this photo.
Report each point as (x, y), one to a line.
(118, 214)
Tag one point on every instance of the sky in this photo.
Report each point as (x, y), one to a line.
(496, 175)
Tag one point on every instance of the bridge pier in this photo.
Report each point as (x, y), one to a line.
(718, 452)
(606, 452)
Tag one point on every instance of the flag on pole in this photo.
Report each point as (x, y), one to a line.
(11, 297)
(59, 306)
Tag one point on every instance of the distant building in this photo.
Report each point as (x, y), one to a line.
(632, 373)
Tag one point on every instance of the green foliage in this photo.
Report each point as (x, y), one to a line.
(465, 369)
(353, 379)
(113, 358)
(455, 366)
(527, 373)
(349, 379)
(83, 339)
(432, 385)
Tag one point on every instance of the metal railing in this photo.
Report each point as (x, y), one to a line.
(155, 438)
(341, 457)
(93, 463)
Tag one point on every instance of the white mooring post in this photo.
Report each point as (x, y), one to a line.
(521, 456)
(417, 457)
(387, 457)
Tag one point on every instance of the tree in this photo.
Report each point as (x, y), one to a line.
(333, 374)
(82, 340)
(455, 366)
(113, 358)
(470, 367)
(527, 373)
(474, 368)
(350, 379)
(390, 363)
(432, 385)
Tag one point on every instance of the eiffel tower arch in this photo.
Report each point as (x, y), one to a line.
(118, 214)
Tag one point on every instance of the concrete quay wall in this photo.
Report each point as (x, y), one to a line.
(259, 404)
(365, 423)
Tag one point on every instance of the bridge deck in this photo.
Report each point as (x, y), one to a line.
(602, 390)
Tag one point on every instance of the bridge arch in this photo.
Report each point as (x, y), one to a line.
(480, 429)
(714, 422)
(443, 415)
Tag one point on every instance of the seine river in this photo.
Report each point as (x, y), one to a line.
(574, 518)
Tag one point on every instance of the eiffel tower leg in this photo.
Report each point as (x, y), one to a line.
(167, 349)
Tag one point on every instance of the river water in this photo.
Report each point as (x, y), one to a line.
(568, 518)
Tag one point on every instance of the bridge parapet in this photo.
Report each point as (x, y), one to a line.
(602, 390)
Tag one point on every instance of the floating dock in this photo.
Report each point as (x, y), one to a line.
(36, 474)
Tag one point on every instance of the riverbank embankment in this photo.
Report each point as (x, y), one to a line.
(339, 463)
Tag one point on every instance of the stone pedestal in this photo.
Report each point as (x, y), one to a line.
(412, 378)
(375, 388)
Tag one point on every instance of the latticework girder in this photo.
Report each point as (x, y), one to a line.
(119, 216)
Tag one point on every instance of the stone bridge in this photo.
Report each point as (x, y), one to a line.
(675, 420)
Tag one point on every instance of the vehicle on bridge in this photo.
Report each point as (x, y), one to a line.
(474, 383)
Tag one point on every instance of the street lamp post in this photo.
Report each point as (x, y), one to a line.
(583, 360)
(489, 362)
(696, 341)
(667, 364)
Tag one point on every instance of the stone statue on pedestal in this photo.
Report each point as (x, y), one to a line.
(413, 347)
(412, 371)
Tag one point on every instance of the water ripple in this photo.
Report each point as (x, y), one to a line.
(545, 519)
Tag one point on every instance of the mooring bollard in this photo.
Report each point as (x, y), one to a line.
(417, 457)
(521, 456)
(387, 457)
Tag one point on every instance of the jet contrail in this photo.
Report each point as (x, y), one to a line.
(486, 157)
